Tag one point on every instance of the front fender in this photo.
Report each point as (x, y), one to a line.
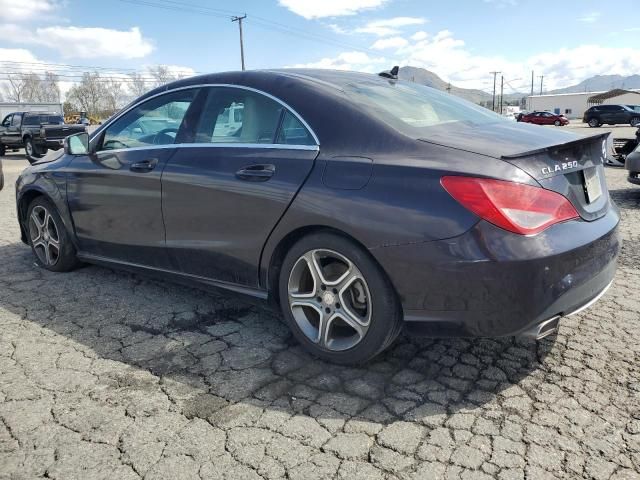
(38, 181)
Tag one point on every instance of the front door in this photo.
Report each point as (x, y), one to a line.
(223, 194)
(11, 131)
(114, 194)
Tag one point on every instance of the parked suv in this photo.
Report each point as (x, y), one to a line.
(611, 115)
(35, 132)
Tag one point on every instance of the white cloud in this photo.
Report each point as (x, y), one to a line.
(96, 42)
(453, 61)
(389, 26)
(347, 61)
(421, 35)
(20, 10)
(590, 17)
(80, 42)
(310, 9)
(390, 42)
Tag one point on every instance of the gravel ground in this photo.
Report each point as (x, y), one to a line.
(107, 375)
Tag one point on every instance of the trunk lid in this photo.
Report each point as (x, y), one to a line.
(560, 161)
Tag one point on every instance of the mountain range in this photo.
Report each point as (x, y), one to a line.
(593, 84)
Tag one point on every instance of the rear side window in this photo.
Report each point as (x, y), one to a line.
(235, 115)
(16, 119)
(293, 132)
(31, 120)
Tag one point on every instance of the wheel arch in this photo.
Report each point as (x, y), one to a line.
(286, 242)
(29, 194)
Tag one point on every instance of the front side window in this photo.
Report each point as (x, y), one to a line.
(155, 122)
(7, 121)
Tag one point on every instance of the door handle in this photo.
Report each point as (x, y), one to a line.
(256, 173)
(144, 165)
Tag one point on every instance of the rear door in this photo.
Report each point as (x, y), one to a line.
(223, 194)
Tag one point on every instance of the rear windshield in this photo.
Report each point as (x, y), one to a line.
(413, 109)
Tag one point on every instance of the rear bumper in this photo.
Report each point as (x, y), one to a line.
(491, 283)
(632, 164)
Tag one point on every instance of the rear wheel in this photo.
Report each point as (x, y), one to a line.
(3, 150)
(337, 301)
(594, 122)
(49, 240)
(31, 150)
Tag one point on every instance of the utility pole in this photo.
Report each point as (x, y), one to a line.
(541, 80)
(493, 101)
(449, 88)
(532, 83)
(239, 20)
(501, 91)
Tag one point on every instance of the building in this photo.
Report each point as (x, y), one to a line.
(7, 108)
(573, 105)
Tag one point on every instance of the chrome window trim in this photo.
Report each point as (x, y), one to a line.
(274, 146)
(204, 85)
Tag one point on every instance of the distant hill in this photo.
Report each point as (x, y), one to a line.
(426, 77)
(601, 83)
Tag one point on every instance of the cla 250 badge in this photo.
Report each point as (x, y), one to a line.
(560, 167)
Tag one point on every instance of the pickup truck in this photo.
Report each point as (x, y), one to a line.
(35, 132)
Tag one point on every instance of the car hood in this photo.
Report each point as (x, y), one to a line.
(499, 139)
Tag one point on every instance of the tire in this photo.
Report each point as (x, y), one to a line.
(365, 298)
(3, 150)
(31, 150)
(594, 122)
(557, 123)
(635, 122)
(42, 236)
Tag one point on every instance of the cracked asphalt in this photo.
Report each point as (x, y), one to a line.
(108, 375)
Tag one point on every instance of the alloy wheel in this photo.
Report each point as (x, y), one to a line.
(329, 299)
(44, 235)
(28, 148)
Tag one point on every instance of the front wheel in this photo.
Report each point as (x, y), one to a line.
(557, 123)
(338, 302)
(635, 121)
(3, 150)
(49, 240)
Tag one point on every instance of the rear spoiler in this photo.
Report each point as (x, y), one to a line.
(572, 143)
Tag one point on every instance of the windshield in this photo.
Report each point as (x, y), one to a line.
(413, 109)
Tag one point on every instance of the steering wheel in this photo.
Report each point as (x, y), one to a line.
(165, 132)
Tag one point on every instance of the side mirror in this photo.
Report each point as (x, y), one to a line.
(77, 144)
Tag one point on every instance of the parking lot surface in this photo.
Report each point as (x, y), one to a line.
(109, 375)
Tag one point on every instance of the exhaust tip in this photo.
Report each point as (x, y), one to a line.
(542, 329)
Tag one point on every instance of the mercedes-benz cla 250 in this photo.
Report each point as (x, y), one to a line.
(361, 204)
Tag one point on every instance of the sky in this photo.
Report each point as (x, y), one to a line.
(461, 41)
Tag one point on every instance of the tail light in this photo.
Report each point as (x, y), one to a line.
(516, 207)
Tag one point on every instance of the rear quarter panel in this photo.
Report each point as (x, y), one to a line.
(402, 203)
